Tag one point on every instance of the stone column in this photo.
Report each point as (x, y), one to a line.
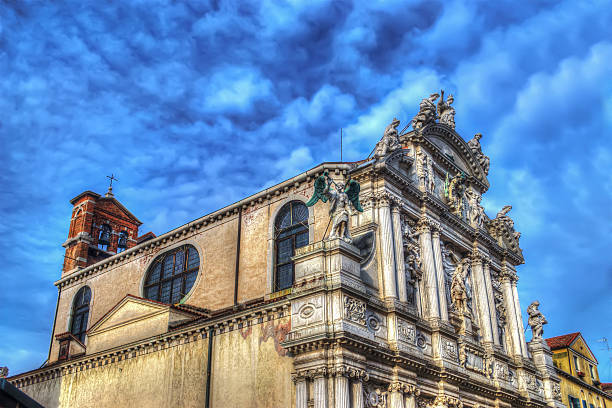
(399, 254)
(482, 298)
(387, 249)
(301, 393)
(357, 391)
(437, 251)
(343, 398)
(432, 305)
(513, 325)
(320, 388)
(519, 317)
(486, 271)
(396, 398)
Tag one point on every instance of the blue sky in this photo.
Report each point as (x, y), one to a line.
(196, 106)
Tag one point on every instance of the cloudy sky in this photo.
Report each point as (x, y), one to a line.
(196, 106)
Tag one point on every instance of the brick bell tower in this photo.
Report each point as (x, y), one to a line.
(100, 227)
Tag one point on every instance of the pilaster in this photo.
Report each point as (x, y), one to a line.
(320, 388)
(515, 327)
(482, 299)
(437, 252)
(432, 301)
(399, 254)
(387, 248)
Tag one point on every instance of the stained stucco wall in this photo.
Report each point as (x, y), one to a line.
(249, 369)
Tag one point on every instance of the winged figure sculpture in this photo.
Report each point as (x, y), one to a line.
(339, 198)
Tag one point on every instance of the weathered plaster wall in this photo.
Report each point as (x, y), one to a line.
(251, 369)
(175, 376)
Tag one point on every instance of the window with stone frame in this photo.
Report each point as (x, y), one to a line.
(80, 313)
(172, 275)
(290, 233)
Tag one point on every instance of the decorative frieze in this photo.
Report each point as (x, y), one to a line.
(354, 310)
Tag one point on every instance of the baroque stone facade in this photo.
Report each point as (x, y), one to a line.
(419, 308)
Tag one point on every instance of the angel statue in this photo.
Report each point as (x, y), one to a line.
(339, 199)
(536, 320)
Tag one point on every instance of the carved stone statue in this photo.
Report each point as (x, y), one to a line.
(425, 172)
(536, 320)
(445, 111)
(413, 265)
(430, 185)
(455, 193)
(474, 145)
(503, 218)
(427, 112)
(4, 372)
(459, 292)
(340, 199)
(449, 260)
(475, 210)
(389, 141)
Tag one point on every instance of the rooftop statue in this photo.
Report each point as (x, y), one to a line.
(536, 320)
(340, 197)
(474, 145)
(445, 111)
(389, 141)
(427, 112)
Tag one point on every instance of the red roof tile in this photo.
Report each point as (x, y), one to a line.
(562, 341)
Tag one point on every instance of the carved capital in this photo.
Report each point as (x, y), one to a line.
(319, 372)
(410, 389)
(396, 386)
(426, 224)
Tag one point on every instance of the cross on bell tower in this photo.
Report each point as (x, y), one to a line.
(112, 177)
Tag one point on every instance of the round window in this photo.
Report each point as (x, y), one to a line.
(172, 275)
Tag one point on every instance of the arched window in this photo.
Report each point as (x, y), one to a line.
(80, 313)
(104, 237)
(122, 241)
(172, 275)
(290, 232)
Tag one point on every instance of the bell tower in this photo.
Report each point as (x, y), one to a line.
(100, 226)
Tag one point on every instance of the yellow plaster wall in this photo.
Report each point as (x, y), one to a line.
(251, 369)
(173, 377)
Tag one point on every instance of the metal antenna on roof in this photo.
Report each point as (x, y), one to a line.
(341, 145)
(110, 187)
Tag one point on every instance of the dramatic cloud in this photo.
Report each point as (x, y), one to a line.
(194, 106)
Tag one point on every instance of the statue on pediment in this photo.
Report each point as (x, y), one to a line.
(536, 320)
(445, 111)
(340, 198)
(476, 148)
(427, 112)
(389, 141)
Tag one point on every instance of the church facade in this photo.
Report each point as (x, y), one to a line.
(379, 283)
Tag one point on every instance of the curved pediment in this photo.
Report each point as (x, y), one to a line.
(455, 149)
